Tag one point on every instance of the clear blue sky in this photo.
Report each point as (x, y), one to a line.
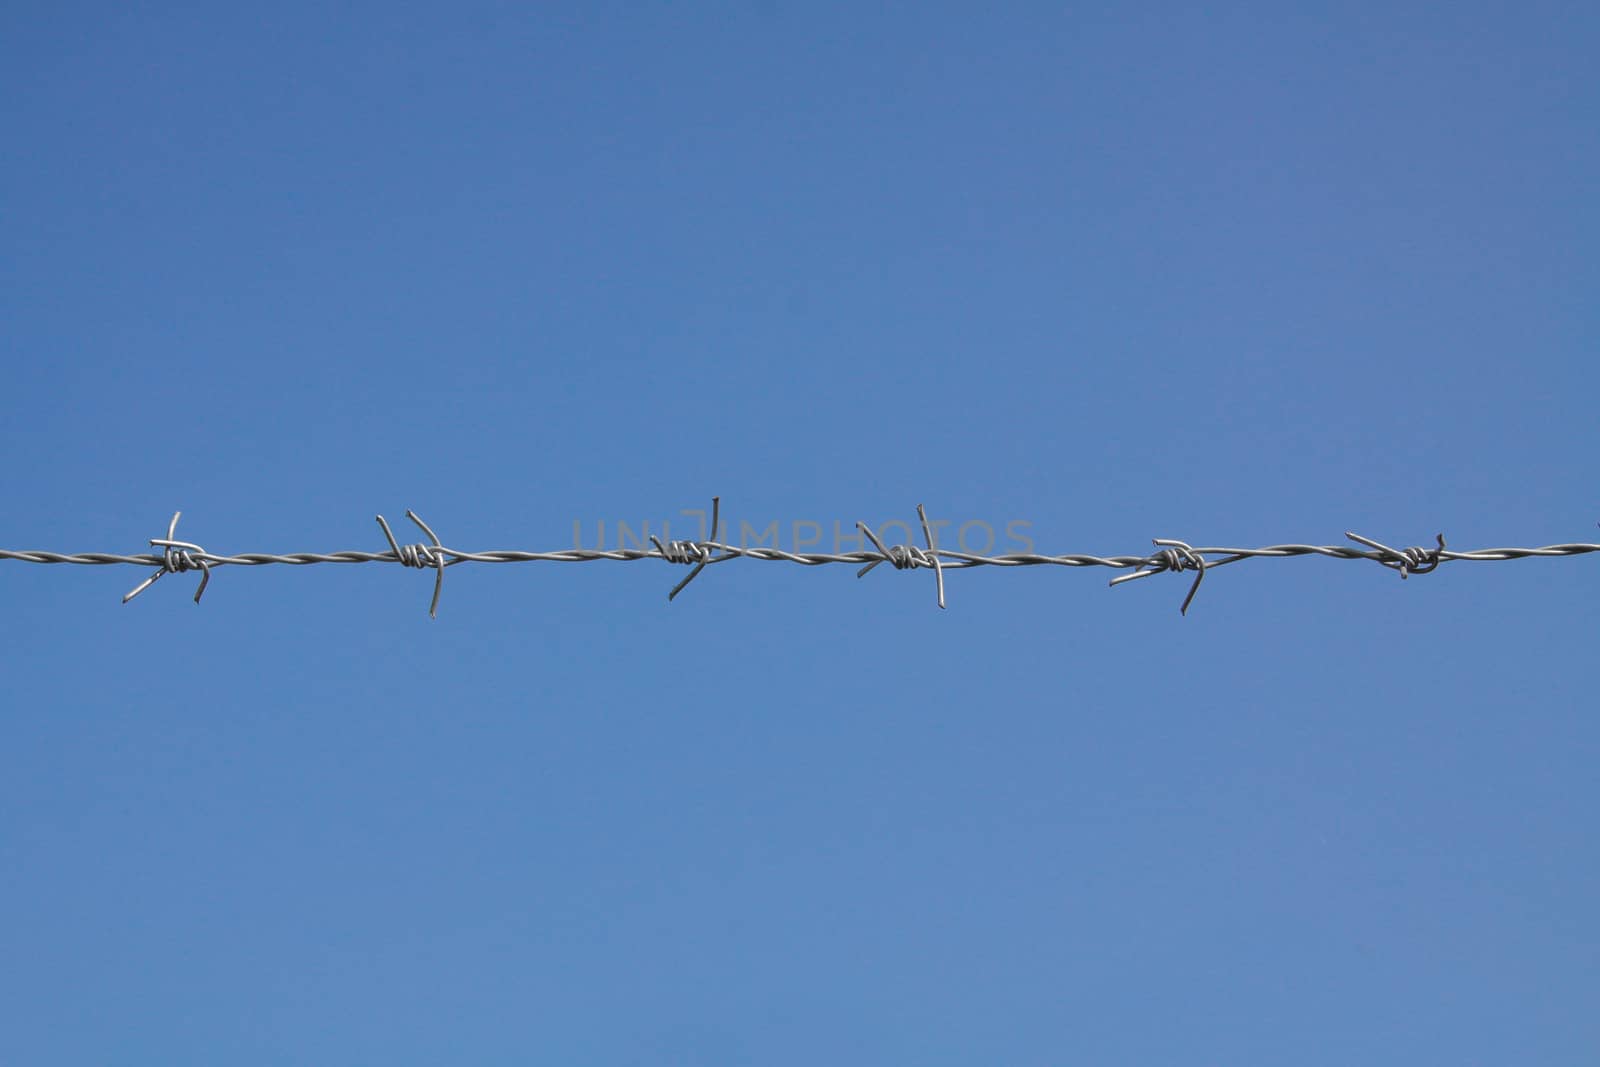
(1236, 276)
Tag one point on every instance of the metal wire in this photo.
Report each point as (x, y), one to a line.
(178, 557)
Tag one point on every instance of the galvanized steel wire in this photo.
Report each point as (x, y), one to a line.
(179, 557)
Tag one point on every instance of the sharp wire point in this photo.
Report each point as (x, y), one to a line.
(389, 536)
(873, 537)
(933, 554)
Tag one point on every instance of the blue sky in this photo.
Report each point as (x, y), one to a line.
(1236, 276)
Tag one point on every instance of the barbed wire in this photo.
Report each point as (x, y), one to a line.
(179, 557)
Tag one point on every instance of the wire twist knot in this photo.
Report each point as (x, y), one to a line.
(682, 551)
(178, 557)
(908, 557)
(417, 555)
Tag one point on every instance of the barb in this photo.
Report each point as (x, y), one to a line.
(696, 552)
(177, 557)
(905, 557)
(1175, 556)
(1408, 561)
(420, 555)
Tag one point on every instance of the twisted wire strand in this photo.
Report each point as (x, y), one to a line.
(178, 557)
